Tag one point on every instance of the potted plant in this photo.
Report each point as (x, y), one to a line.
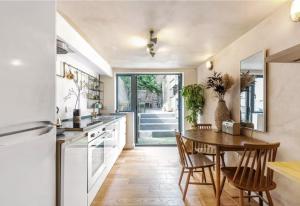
(220, 84)
(194, 101)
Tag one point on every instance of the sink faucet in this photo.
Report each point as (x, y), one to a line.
(94, 113)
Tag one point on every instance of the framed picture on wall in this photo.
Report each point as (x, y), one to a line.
(60, 70)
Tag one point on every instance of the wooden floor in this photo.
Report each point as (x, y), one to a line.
(148, 176)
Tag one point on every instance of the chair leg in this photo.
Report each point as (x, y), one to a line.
(241, 198)
(261, 202)
(269, 198)
(223, 184)
(212, 180)
(249, 194)
(203, 175)
(214, 161)
(187, 184)
(181, 174)
(223, 160)
(202, 179)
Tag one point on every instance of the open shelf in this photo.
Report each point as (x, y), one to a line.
(290, 55)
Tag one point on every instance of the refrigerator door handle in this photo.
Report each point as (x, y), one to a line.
(24, 132)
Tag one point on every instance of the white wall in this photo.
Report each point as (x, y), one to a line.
(84, 57)
(275, 33)
(77, 43)
(63, 85)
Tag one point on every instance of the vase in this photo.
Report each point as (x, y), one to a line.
(201, 119)
(76, 118)
(221, 114)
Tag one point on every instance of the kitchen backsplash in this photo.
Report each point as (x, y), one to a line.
(63, 85)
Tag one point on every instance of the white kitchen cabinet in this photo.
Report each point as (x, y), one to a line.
(122, 132)
(74, 174)
(74, 166)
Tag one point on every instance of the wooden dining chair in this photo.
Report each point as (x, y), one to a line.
(250, 128)
(252, 173)
(191, 163)
(205, 149)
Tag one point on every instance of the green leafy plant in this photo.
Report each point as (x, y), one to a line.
(194, 101)
(144, 82)
(148, 82)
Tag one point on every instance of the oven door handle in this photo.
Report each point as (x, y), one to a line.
(96, 144)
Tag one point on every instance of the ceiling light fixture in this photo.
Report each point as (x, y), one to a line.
(295, 10)
(151, 44)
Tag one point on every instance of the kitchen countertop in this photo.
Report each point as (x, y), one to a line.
(88, 123)
(71, 136)
(75, 134)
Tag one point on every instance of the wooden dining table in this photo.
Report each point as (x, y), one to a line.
(222, 142)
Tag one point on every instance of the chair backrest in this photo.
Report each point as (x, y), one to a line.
(203, 126)
(252, 170)
(185, 160)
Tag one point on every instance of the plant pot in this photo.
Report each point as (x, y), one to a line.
(194, 126)
(221, 114)
(76, 118)
(201, 118)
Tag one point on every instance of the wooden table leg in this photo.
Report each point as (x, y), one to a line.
(218, 177)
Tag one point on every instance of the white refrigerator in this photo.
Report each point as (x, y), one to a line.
(27, 103)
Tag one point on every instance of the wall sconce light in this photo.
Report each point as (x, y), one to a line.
(295, 10)
(209, 65)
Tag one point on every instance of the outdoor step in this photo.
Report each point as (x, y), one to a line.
(157, 134)
(158, 120)
(157, 115)
(158, 126)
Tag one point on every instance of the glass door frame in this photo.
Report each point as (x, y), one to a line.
(133, 100)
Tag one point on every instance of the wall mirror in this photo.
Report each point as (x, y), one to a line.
(253, 92)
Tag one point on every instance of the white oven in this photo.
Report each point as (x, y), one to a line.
(96, 159)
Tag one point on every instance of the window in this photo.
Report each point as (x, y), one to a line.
(252, 100)
(259, 95)
(124, 93)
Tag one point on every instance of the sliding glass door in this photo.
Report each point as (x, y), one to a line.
(156, 101)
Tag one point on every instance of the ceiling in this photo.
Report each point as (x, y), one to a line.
(189, 32)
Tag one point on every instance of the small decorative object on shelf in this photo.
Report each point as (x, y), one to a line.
(94, 91)
(220, 84)
(58, 120)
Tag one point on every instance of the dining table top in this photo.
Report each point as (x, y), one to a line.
(212, 137)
